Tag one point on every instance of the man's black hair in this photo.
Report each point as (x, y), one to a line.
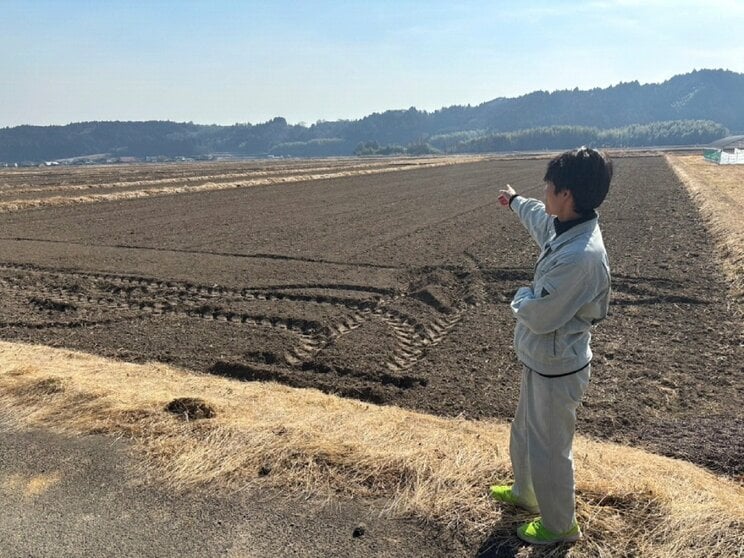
(585, 172)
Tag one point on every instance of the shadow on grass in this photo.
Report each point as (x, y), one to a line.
(504, 543)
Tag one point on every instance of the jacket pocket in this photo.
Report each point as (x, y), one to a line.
(540, 347)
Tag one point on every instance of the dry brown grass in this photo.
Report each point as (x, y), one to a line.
(185, 187)
(630, 503)
(100, 178)
(719, 192)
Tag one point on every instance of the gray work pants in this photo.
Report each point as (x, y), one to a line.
(540, 445)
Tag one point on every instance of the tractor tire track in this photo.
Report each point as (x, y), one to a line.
(150, 298)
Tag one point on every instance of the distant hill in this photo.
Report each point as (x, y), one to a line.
(693, 108)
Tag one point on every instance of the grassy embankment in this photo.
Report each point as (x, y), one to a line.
(630, 502)
(717, 190)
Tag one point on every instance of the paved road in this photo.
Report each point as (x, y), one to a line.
(80, 497)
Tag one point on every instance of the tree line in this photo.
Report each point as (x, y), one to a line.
(658, 134)
(687, 109)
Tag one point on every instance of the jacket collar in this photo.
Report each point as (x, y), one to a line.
(562, 226)
(573, 232)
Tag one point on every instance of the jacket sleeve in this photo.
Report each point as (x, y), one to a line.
(565, 289)
(532, 214)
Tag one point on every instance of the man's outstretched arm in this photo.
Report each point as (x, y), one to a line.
(531, 213)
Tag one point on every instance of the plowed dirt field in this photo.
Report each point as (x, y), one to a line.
(384, 282)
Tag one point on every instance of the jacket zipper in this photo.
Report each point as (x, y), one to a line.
(544, 255)
(555, 349)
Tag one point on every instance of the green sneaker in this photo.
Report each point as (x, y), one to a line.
(535, 532)
(503, 493)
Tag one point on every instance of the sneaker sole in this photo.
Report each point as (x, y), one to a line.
(517, 504)
(572, 538)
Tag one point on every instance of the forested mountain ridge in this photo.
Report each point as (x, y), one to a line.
(701, 95)
(693, 108)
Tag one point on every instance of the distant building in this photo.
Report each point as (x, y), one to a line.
(726, 151)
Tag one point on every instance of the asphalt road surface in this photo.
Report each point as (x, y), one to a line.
(84, 497)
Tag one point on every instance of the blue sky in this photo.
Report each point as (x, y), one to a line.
(220, 61)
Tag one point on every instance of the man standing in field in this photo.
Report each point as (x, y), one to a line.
(569, 293)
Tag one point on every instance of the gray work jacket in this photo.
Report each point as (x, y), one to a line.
(569, 293)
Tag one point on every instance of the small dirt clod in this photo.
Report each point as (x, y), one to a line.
(190, 408)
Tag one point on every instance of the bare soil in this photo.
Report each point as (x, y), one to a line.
(391, 288)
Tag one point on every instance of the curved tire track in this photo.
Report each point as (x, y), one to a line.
(95, 293)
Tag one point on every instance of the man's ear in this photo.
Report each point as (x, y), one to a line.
(569, 199)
